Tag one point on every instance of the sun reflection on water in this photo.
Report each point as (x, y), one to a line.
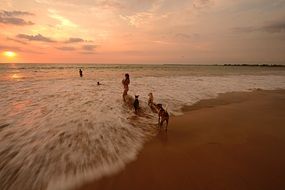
(16, 76)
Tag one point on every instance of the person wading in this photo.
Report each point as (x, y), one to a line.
(126, 82)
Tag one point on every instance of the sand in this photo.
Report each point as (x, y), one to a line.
(236, 141)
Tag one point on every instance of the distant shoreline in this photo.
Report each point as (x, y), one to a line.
(157, 64)
(232, 65)
(255, 65)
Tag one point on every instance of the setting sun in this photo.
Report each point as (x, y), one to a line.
(9, 54)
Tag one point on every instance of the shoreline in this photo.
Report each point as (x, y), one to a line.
(209, 148)
(273, 64)
(216, 157)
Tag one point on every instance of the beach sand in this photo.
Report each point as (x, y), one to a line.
(236, 141)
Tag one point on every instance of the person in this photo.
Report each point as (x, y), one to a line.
(80, 73)
(98, 83)
(126, 82)
(150, 99)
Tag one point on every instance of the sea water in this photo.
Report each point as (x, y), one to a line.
(58, 130)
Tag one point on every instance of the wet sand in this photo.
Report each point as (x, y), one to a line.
(233, 142)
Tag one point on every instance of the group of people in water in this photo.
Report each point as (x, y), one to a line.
(163, 115)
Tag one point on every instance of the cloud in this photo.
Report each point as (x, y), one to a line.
(18, 41)
(161, 42)
(7, 48)
(37, 37)
(110, 4)
(42, 38)
(89, 48)
(245, 29)
(63, 21)
(184, 36)
(105, 4)
(13, 17)
(17, 49)
(87, 52)
(199, 4)
(274, 27)
(66, 48)
(270, 27)
(74, 40)
(15, 21)
(15, 13)
(138, 19)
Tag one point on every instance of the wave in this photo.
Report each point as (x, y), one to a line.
(61, 133)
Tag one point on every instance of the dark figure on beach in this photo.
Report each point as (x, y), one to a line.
(162, 116)
(136, 103)
(98, 83)
(80, 73)
(126, 82)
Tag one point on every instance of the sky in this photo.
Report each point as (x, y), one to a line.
(142, 31)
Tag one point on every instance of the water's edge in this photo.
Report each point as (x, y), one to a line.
(75, 182)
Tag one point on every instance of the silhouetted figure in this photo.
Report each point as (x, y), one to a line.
(126, 82)
(163, 116)
(150, 99)
(80, 73)
(98, 83)
(136, 103)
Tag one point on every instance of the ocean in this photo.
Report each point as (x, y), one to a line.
(58, 130)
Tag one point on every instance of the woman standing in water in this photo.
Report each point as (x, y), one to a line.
(126, 82)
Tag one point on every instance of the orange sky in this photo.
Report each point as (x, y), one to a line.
(143, 31)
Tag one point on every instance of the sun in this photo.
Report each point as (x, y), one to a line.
(9, 54)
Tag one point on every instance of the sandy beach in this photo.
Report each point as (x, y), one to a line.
(236, 141)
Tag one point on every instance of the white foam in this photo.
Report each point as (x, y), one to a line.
(62, 133)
